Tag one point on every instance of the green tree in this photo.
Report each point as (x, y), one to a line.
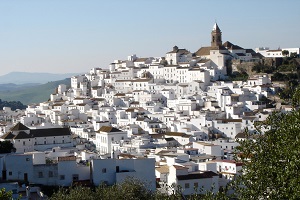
(296, 97)
(132, 189)
(285, 53)
(4, 195)
(271, 161)
(129, 189)
(293, 55)
(12, 104)
(6, 147)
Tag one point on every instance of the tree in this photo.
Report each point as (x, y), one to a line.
(130, 189)
(296, 97)
(293, 55)
(271, 161)
(285, 53)
(5, 195)
(12, 104)
(6, 147)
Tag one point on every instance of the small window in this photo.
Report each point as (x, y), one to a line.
(50, 174)
(10, 173)
(40, 174)
(104, 170)
(27, 159)
(62, 177)
(75, 177)
(187, 185)
(196, 185)
(220, 175)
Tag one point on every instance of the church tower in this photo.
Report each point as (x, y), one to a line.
(216, 36)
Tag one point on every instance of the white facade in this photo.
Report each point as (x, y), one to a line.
(113, 171)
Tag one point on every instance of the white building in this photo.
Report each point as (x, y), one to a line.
(27, 140)
(106, 136)
(112, 171)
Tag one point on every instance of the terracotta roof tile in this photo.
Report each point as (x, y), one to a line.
(108, 129)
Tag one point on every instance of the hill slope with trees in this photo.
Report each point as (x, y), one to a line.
(34, 94)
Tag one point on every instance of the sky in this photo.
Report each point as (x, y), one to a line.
(73, 36)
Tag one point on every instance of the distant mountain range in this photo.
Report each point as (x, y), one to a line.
(32, 78)
(30, 93)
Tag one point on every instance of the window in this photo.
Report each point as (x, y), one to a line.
(27, 159)
(220, 175)
(40, 175)
(24, 143)
(187, 185)
(62, 177)
(104, 170)
(196, 185)
(10, 173)
(75, 177)
(50, 174)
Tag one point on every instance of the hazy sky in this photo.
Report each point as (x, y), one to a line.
(61, 36)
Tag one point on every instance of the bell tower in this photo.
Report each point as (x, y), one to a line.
(216, 36)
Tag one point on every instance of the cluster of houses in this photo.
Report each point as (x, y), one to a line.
(172, 122)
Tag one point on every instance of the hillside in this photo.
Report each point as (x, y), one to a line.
(9, 87)
(37, 78)
(33, 94)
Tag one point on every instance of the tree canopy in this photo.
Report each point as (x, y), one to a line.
(130, 189)
(6, 147)
(285, 52)
(271, 160)
(5, 195)
(12, 104)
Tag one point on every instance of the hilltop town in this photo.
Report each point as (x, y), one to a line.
(170, 121)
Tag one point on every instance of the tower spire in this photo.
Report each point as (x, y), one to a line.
(216, 36)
